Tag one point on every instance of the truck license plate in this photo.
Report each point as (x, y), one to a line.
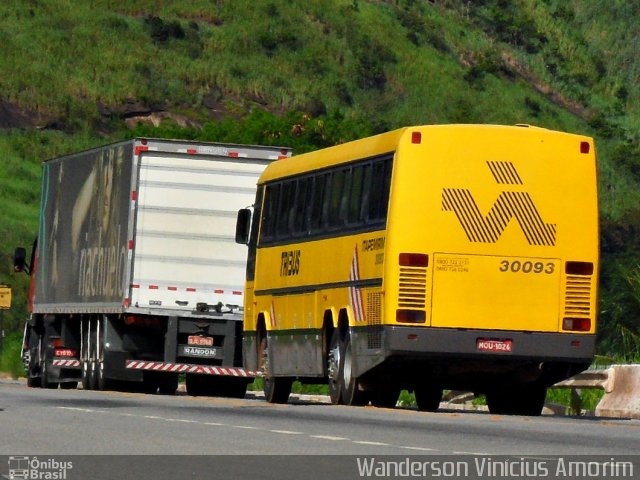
(497, 346)
(200, 341)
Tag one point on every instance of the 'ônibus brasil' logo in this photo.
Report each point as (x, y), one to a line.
(519, 205)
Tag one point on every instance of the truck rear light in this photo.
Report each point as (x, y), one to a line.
(578, 268)
(576, 324)
(136, 321)
(410, 316)
(65, 352)
(57, 342)
(413, 260)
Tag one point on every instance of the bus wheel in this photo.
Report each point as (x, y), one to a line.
(276, 389)
(519, 400)
(333, 369)
(428, 397)
(351, 393)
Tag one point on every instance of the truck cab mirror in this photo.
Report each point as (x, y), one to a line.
(20, 260)
(243, 224)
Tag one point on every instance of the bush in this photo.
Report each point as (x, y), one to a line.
(10, 361)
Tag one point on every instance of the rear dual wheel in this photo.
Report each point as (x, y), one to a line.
(276, 389)
(344, 387)
(527, 399)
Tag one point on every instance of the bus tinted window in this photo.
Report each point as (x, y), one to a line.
(347, 199)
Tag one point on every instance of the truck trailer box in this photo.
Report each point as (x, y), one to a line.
(140, 234)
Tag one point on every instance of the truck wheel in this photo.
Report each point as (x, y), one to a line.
(168, 384)
(44, 381)
(333, 369)
(428, 397)
(86, 375)
(276, 389)
(385, 397)
(195, 385)
(349, 384)
(69, 385)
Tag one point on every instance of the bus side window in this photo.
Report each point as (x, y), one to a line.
(285, 209)
(303, 198)
(355, 200)
(269, 217)
(326, 200)
(380, 191)
(366, 193)
(336, 198)
(317, 204)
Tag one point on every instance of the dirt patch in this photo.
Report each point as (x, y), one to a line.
(13, 116)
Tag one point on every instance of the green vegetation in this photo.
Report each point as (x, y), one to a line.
(10, 361)
(312, 74)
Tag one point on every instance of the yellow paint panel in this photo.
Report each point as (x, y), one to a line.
(505, 293)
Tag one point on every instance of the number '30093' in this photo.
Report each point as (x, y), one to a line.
(516, 266)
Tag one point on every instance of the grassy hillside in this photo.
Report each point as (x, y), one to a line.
(313, 73)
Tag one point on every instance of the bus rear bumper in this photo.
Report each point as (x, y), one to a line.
(489, 344)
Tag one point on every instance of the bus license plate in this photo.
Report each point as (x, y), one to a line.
(496, 346)
(200, 341)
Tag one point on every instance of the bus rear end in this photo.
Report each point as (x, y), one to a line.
(491, 261)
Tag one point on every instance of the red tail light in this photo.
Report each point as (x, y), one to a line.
(413, 260)
(576, 324)
(411, 316)
(141, 321)
(65, 352)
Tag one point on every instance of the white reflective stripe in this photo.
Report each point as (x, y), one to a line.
(66, 363)
(182, 368)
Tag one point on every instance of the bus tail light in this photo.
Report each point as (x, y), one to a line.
(411, 316)
(414, 260)
(578, 268)
(416, 137)
(576, 324)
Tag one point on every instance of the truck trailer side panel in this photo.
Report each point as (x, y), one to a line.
(82, 251)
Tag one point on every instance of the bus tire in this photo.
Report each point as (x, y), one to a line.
(276, 389)
(333, 369)
(428, 397)
(518, 400)
(349, 384)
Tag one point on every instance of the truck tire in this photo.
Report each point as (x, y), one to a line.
(168, 384)
(69, 385)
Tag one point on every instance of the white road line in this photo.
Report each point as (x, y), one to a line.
(86, 410)
(328, 437)
(286, 432)
(375, 444)
(214, 424)
(420, 449)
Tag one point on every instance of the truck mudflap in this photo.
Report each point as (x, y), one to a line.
(190, 368)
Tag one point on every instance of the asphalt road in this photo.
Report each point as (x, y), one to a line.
(58, 423)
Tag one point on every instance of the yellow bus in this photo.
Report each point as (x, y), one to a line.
(427, 258)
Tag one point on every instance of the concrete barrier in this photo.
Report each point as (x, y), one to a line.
(622, 395)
